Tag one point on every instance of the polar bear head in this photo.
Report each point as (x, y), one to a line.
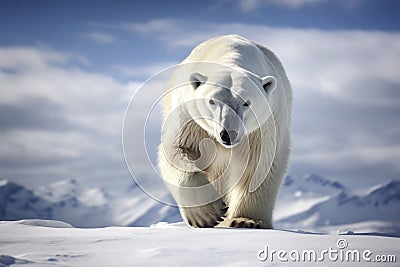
(230, 104)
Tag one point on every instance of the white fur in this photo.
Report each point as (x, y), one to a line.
(246, 175)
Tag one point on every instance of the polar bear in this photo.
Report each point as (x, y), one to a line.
(226, 133)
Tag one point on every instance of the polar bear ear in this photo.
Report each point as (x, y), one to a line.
(269, 83)
(197, 79)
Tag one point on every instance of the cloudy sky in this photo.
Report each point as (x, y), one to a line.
(69, 68)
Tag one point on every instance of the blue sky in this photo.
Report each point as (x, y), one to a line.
(64, 24)
(69, 68)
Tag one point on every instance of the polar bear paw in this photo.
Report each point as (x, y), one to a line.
(206, 216)
(244, 223)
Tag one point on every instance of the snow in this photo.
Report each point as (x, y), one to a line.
(311, 213)
(44, 243)
(42, 223)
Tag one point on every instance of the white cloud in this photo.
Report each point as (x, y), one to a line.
(29, 59)
(102, 38)
(153, 26)
(144, 71)
(58, 120)
(251, 5)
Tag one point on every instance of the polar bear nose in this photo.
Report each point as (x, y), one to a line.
(228, 136)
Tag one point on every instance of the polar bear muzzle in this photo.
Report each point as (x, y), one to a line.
(228, 136)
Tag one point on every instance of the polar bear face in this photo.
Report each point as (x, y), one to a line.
(230, 105)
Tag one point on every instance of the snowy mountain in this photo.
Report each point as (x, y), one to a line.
(309, 203)
(60, 201)
(314, 202)
(69, 201)
(299, 194)
(382, 203)
(17, 202)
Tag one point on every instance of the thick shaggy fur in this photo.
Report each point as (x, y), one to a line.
(268, 146)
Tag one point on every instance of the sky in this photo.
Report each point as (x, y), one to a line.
(68, 70)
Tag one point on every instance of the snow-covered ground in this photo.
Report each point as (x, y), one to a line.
(52, 243)
(312, 213)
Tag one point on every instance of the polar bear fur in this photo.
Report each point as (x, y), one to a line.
(235, 84)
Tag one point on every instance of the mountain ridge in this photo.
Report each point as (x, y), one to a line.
(306, 202)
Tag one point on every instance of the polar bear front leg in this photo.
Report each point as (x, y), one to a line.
(199, 203)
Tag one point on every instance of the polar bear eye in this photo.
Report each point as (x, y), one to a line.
(212, 102)
(197, 79)
(247, 103)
